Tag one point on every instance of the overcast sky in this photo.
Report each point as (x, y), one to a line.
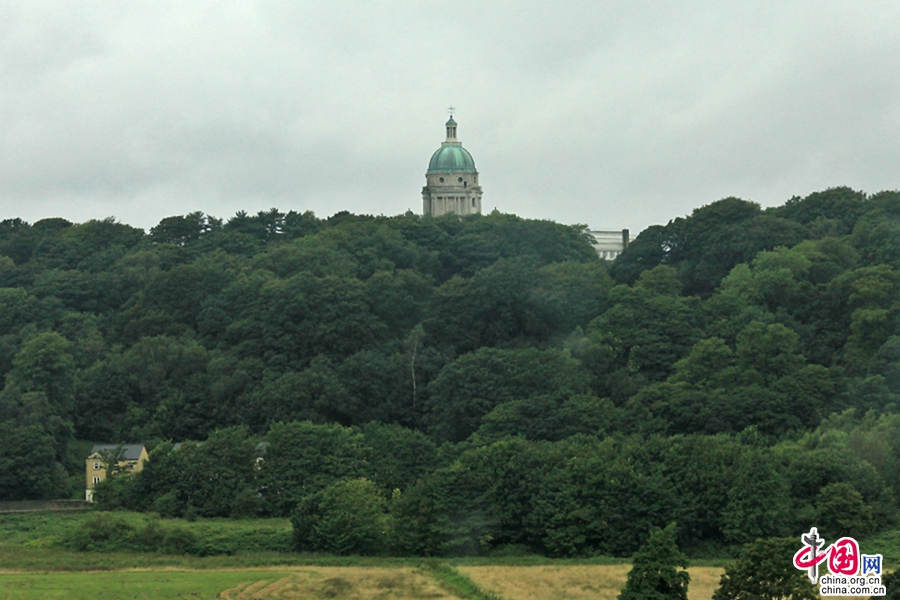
(612, 114)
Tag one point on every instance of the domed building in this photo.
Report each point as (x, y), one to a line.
(451, 182)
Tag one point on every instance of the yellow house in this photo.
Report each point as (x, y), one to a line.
(131, 460)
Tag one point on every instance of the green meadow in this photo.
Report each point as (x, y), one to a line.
(118, 584)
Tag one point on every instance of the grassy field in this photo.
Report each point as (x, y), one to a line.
(115, 585)
(434, 581)
(295, 584)
(248, 559)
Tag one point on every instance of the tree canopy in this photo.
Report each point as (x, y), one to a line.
(495, 385)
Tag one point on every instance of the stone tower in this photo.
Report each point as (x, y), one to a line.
(451, 182)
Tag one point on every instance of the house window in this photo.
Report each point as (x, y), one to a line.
(96, 480)
(96, 466)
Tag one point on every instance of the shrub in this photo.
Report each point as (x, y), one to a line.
(841, 511)
(103, 532)
(112, 532)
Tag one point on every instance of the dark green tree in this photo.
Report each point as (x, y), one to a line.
(293, 320)
(45, 364)
(475, 383)
(841, 205)
(40, 388)
(28, 469)
(160, 386)
(32, 409)
(214, 478)
(302, 458)
(571, 293)
(700, 468)
(446, 513)
(398, 457)
(315, 394)
(379, 388)
(758, 501)
(841, 511)
(517, 483)
(645, 252)
(609, 497)
(548, 418)
(875, 234)
(765, 571)
(891, 582)
(496, 307)
(183, 230)
(347, 517)
(171, 301)
(399, 298)
(654, 572)
(706, 245)
(648, 331)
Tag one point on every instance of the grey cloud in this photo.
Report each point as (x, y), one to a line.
(611, 114)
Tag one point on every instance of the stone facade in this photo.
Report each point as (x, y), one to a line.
(609, 244)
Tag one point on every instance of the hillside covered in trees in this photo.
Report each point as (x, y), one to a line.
(467, 385)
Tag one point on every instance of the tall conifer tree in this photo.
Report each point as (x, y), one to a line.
(654, 573)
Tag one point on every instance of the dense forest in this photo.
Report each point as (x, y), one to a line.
(449, 385)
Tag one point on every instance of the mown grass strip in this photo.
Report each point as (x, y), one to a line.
(159, 585)
(456, 582)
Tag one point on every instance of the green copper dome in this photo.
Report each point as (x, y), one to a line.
(451, 158)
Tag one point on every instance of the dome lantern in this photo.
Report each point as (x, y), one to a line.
(451, 130)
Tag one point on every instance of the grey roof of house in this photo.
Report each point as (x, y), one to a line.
(130, 451)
